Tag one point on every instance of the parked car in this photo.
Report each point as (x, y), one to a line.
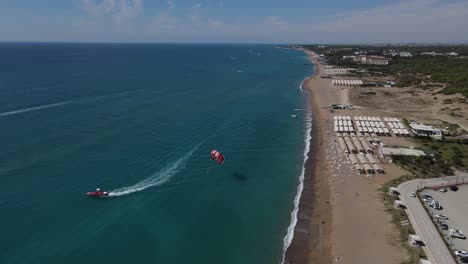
(412, 194)
(426, 198)
(443, 190)
(457, 233)
(435, 204)
(461, 253)
(443, 225)
(441, 216)
(464, 259)
(454, 188)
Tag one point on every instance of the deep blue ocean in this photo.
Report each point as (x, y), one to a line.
(140, 121)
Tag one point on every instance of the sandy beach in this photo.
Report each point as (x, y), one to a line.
(341, 216)
(313, 229)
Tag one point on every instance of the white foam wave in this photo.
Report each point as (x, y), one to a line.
(254, 53)
(302, 83)
(290, 234)
(31, 109)
(158, 178)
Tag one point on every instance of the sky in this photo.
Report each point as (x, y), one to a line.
(235, 21)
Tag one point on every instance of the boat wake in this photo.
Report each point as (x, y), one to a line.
(31, 109)
(158, 178)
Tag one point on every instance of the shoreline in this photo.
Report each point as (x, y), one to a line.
(342, 215)
(313, 228)
(300, 187)
(339, 205)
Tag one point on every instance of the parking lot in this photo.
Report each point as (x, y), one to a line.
(455, 206)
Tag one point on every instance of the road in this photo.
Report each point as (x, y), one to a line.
(435, 249)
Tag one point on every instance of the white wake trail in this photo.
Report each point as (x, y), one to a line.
(158, 178)
(31, 109)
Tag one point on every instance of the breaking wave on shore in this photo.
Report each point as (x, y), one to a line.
(290, 234)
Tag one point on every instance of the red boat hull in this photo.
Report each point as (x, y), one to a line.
(97, 194)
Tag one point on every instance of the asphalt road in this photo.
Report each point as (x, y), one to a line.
(435, 249)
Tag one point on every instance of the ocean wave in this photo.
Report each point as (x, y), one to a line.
(254, 53)
(290, 234)
(31, 109)
(302, 83)
(158, 178)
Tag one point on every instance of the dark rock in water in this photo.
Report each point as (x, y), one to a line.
(239, 176)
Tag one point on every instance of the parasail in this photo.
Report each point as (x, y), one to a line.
(218, 157)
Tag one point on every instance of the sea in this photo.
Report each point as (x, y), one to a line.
(140, 121)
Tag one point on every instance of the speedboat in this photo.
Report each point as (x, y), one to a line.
(98, 193)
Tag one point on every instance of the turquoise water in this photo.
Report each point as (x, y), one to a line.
(140, 121)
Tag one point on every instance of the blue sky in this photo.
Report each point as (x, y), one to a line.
(240, 21)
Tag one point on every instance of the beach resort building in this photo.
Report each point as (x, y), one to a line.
(374, 60)
(405, 54)
(391, 52)
(426, 131)
(402, 151)
(342, 106)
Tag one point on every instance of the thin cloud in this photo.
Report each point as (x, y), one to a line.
(406, 21)
(195, 14)
(221, 26)
(215, 23)
(166, 20)
(103, 7)
(127, 11)
(121, 10)
(170, 5)
(417, 20)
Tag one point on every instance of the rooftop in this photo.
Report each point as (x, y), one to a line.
(403, 151)
(423, 127)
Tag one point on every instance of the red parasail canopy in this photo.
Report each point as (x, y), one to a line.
(218, 157)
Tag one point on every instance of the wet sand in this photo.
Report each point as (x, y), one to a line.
(312, 233)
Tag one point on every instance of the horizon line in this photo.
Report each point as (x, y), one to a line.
(234, 43)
